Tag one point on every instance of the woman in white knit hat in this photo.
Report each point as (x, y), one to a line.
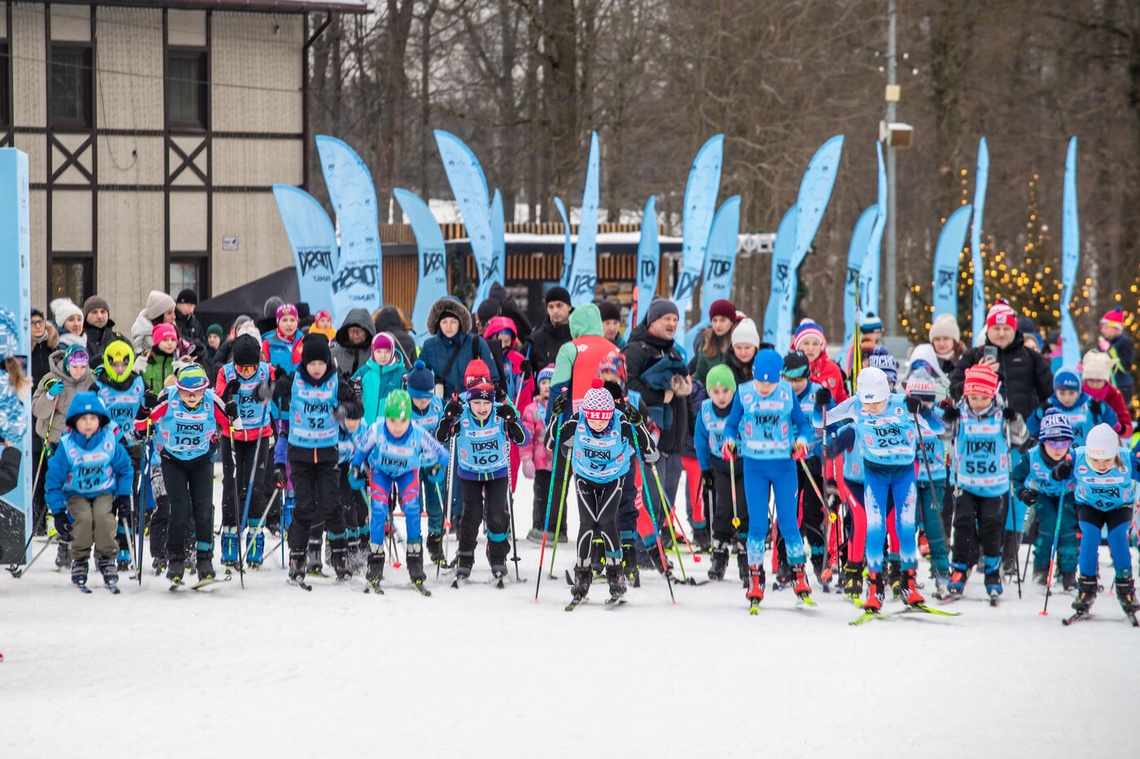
(947, 341)
(159, 310)
(1096, 369)
(69, 317)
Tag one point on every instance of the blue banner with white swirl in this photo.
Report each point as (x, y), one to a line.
(1070, 258)
(432, 282)
(313, 240)
(700, 206)
(648, 260)
(584, 272)
(947, 255)
(978, 298)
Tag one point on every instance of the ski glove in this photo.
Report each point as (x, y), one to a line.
(629, 412)
(358, 473)
(1062, 471)
(560, 404)
(506, 413)
(799, 452)
(1008, 414)
(62, 523)
(708, 480)
(822, 397)
(842, 442)
(280, 476)
(950, 413)
(122, 506)
(453, 409)
(54, 389)
(728, 450)
(528, 468)
(1027, 496)
(1096, 407)
(913, 404)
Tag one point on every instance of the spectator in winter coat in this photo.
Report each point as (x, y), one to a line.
(159, 310)
(500, 302)
(451, 346)
(576, 364)
(656, 369)
(611, 322)
(352, 348)
(946, 339)
(745, 339)
(184, 319)
(45, 340)
(157, 365)
(214, 335)
(823, 371)
(323, 325)
(389, 319)
(99, 328)
(715, 341)
(1119, 348)
(281, 346)
(1097, 369)
(225, 352)
(1025, 377)
(69, 374)
(383, 373)
(69, 317)
(554, 332)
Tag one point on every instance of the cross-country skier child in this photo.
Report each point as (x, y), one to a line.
(1083, 411)
(281, 347)
(350, 435)
(396, 450)
(537, 461)
(1097, 370)
(980, 426)
(931, 466)
(483, 429)
(123, 394)
(600, 444)
(427, 410)
(188, 422)
(1105, 494)
(730, 520)
(771, 433)
(380, 375)
(1041, 481)
(311, 401)
(89, 479)
(245, 385)
(884, 431)
(157, 364)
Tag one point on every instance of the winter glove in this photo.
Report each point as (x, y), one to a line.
(629, 412)
(264, 391)
(500, 394)
(950, 412)
(54, 389)
(436, 474)
(913, 404)
(233, 387)
(681, 385)
(150, 400)
(506, 412)
(799, 452)
(280, 476)
(62, 523)
(232, 411)
(822, 397)
(708, 480)
(560, 404)
(841, 443)
(728, 450)
(1008, 414)
(1062, 471)
(141, 414)
(122, 506)
(1096, 407)
(1027, 496)
(453, 409)
(528, 468)
(357, 473)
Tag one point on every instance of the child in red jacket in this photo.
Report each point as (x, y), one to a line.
(1097, 370)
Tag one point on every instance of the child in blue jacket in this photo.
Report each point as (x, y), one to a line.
(1038, 482)
(89, 479)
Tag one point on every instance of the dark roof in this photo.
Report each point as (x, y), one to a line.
(263, 6)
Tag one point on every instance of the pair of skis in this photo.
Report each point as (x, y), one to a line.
(871, 614)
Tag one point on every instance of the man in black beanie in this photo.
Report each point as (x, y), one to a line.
(611, 322)
(553, 333)
(184, 319)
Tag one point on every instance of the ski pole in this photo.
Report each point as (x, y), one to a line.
(511, 510)
(140, 499)
(549, 500)
(680, 529)
(1013, 507)
(446, 507)
(669, 522)
(249, 486)
(558, 519)
(18, 573)
(653, 520)
(1053, 553)
(396, 564)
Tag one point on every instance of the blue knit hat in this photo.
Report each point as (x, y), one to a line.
(1055, 426)
(1067, 379)
(87, 402)
(767, 366)
(871, 323)
(547, 373)
(421, 381)
(881, 358)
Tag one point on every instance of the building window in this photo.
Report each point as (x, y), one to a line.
(71, 84)
(189, 273)
(187, 93)
(71, 277)
(5, 90)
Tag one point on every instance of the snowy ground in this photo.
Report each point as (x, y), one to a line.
(273, 671)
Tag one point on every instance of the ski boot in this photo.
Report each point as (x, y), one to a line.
(123, 562)
(783, 576)
(1086, 594)
(583, 576)
(719, 561)
(313, 565)
(204, 565)
(742, 565)
(908, 589)
(755, 592)
(615, 579)
(923, 545)
(876, 591)
(800, 584)
(297, 565)
(702, 540)
(1040, 576)
(175, 570)
(79, 572)
(254, 549)
(665, 568)
(415, 562)
(229, 548)
(158, 564)
(497, 558)
(853, 580)
(893, 578)
(376, 561)
(1126, 594)
(1009, 556)
(959, 573)
(464, 561)
(629, 562)
(435, 548)
(63, 553)
(1069, 580)
(822, 571)
(109, 569)
(339, 563)
(993, 578)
